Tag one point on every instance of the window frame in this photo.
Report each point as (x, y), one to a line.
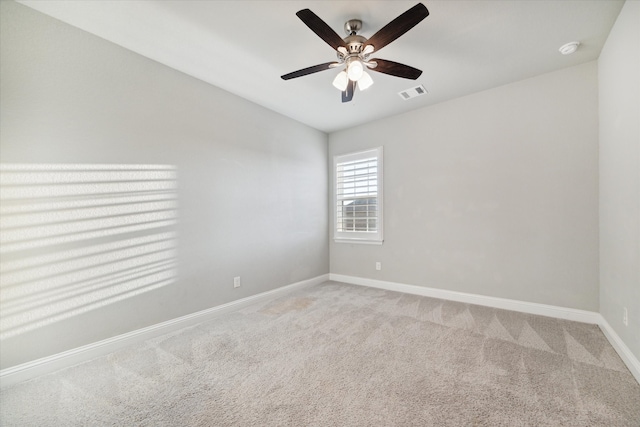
(363, 237)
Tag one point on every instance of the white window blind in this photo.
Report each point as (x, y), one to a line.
(358, 197)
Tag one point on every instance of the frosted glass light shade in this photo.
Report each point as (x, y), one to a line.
(341, 81)
(365, 81)
(355, 70)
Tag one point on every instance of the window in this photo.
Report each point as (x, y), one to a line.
(358, 197)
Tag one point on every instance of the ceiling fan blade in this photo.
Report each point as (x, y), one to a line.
(321, 28)
(395, 69)
(398, 26)
(347, 94)
(309, 70)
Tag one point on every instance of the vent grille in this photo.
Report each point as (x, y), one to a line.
(413, 92)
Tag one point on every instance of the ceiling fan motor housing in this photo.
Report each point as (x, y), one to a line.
(355, 43)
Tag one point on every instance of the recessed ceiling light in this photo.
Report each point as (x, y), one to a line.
(569, 48)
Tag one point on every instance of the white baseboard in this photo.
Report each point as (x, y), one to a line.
(82, 354)
(621, 348)
(524, 307)
(503, 303)
(85, 353)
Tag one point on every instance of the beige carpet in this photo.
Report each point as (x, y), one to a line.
(344, 355)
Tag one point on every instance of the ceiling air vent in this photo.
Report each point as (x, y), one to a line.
(413, 92)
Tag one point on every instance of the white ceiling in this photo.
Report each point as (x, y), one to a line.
(463, 46)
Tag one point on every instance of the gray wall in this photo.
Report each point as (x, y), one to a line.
(619, 68)
(245, 191)
(495, 193)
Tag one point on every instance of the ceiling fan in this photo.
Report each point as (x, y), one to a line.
(354, 50)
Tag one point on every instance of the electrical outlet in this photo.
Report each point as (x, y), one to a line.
(625, 316)
(378, 266)
(236, 282)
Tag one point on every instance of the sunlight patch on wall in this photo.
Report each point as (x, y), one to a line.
(74, 238)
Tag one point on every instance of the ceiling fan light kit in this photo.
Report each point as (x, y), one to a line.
(353, 51)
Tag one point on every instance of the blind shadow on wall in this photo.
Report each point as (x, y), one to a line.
(74, 238)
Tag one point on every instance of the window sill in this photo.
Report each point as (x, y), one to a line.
(359, 241)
